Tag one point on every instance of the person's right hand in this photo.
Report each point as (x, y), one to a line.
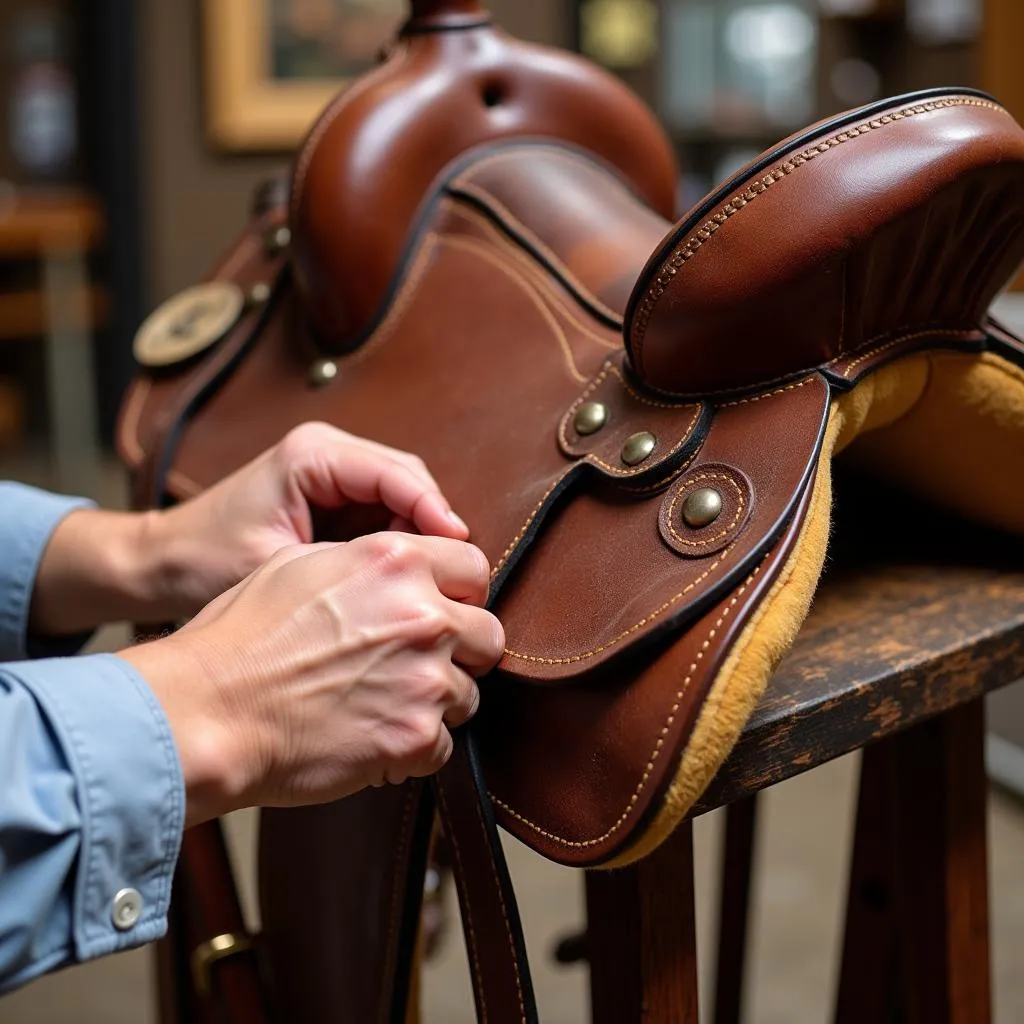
(331, 668)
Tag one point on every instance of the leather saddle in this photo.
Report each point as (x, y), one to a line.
(476, 260)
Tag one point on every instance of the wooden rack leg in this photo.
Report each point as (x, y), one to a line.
(942, 867)
(734, 909)
(868, 981)
(642, 940)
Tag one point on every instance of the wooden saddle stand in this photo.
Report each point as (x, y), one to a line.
(475, 260)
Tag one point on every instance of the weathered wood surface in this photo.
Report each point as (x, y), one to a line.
(918, 613)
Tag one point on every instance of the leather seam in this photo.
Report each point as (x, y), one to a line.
(869, 352)
(658, 746)
(503, 212)
(767, 394)
(780, 172)
(513, 544)
(704, 541)
(498, 260)
(470, 931)
(594, 459)
(619, 637)
(541, 281)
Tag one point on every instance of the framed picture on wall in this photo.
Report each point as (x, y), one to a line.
(272, 65)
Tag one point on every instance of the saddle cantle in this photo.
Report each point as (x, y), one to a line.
(636, 419)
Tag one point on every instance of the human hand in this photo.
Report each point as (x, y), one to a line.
(214, 540)
(164, 566)
(331, 668)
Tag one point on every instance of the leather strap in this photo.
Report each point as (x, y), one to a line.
(493, 931)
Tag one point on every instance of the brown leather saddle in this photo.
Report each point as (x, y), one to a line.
(476, 262)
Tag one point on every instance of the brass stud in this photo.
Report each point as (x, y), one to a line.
(259, 293)
(590, 418)
(702, 507)
(638, 447)
(278, 239)
(322, 372)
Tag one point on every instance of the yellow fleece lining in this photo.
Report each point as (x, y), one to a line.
(915, 417)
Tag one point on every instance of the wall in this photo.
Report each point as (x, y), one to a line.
(196, 198)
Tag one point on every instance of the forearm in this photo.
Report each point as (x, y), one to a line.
(100, 567)
(82, 818)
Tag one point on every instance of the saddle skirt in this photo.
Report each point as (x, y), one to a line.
(636, 418)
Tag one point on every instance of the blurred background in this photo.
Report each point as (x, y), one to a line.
(132, 136)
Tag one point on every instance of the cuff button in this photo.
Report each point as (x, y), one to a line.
(126, 910)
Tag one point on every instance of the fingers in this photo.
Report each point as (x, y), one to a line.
(460, 570)
(465, 699)
(332, 468)
(479, 638)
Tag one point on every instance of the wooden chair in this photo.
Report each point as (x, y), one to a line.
(909, 630)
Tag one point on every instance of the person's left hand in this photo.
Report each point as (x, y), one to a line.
(216, 539)
(164, 566)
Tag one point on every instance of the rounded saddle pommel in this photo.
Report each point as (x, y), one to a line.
(903, 218)
(450, 82)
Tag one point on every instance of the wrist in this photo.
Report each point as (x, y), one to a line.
(214, 761)
(95, 569)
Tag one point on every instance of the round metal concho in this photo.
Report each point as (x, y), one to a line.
(590, 418)
(188, 323)
(702, 507)
(638, 447)
(322, 372)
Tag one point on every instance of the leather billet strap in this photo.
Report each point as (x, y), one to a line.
(496, 949)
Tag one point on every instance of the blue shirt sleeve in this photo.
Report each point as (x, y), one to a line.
(92, 807)
(28, 518)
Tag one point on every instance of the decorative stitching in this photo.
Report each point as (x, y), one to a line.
(618, 638)
(529, 519)
(707, 230)
(658, 746)
(468, 916)
(704, 541)
(499, 208)
(767, 394)
(593, 458)
(945, 332)
(541, 279)
(496, 259)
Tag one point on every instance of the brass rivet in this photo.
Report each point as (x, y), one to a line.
(638, 447)
(259, 293)
(278, 239)
(322, 372)
(590, 418)
(701, 507)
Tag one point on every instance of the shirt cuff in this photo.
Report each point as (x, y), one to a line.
(131, 794)
(28, 517)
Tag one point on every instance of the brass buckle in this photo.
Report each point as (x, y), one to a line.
(208, 953)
